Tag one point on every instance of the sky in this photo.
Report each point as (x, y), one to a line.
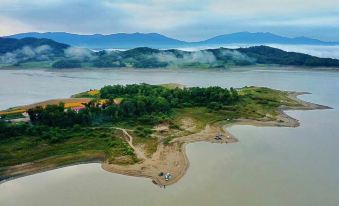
(189, 20)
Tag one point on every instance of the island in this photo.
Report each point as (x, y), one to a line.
(137, 129)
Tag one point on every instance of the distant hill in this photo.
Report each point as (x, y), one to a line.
(269, 55)
(11, 44)
(261, 38)
(154, 40)
(99, 41)
(14, 51)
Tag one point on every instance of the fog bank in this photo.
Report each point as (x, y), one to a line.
(314, 50)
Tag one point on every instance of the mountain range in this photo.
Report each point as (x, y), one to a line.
(155, 40)
(33, 52)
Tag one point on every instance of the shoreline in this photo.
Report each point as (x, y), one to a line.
(151, 169)
(171, 158)
(46, 169)
(232, 68)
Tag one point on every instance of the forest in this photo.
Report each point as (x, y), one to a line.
(149, 104)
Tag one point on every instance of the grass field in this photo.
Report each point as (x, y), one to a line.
(80, 143)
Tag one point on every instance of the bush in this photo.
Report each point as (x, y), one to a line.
(144, 132)
(76, 128)
(214, 106)
(167, 140)
(55, 139)
(174, 126)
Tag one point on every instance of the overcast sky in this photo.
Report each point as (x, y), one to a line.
(183, 19)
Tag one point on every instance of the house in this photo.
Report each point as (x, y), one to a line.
(77, 109)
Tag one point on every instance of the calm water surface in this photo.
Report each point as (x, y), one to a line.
(269, 166)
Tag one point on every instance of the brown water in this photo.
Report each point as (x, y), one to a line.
(269, 166)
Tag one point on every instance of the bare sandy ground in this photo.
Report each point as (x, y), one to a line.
(169, 158)
(47, 102)
(55, 102)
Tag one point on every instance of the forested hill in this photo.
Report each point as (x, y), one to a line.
(144, 57)
(14, 52)
(11, 44)
(45, 53)
(269, 55)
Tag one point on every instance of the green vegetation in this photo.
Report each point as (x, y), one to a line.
(12, 116)
(254, 103)
(32, 52)
(58, 116)
(11, 45)
(147, 104)
(65, 136)
(211, 58)
(143, 132)
(67, 64)
(172, 86)
(39, 142)
(88, 94)
(269, 55)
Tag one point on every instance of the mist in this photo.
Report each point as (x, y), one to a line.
(314, 50)
(200, 56)
(25, 53)
(78, 53)
(237, 56)
(186, 58)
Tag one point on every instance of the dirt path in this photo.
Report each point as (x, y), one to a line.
(169, 158)
(172, 158)
(129, 139)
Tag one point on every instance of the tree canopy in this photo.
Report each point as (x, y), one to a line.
(150, 103)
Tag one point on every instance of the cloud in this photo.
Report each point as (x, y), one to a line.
(180, 58)
(314, 50)
(79, 53)
(186, 58)
(248, 8)
(237, 56)
(185, 19)
(13, 26)
(158, 17)
(44, 52)
(25, 53)
(307, 22)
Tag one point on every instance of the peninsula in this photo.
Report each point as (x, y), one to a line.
(138, 130)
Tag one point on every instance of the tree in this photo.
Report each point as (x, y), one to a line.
(234, 94)
(112, 111)
(128, 108)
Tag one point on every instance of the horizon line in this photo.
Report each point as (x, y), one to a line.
(147, 33)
